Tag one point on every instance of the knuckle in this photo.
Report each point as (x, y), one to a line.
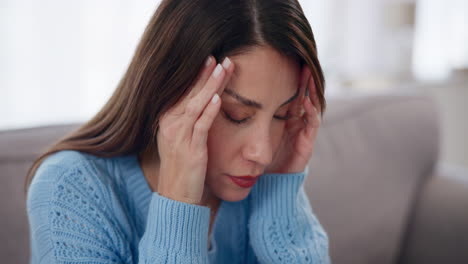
(200, 127)
(163, 117)
(164, 133)
(167, 128)
(191, 107)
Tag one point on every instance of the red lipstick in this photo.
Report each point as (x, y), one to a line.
(244, 181)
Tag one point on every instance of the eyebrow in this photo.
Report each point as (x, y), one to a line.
(252, 103)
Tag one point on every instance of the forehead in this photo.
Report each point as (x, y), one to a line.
(265, 75)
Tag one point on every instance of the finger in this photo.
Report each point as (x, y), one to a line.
(313, 94)
(203, 75)
(205, 72)
(203, 124)
(311, 118)
(306, 75)
(197, 104)
(297, 107)
(229, 67)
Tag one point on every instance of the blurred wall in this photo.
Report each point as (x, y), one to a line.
(61, 60)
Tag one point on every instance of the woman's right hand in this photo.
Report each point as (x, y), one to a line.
(183, 132)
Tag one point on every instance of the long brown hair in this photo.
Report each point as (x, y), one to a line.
(179, 37)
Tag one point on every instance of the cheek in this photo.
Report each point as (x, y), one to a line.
(214, 136)
(219, 143)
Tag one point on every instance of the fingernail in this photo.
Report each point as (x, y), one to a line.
(208, 61)
(217, 71)
(215, 98)
(226, 63)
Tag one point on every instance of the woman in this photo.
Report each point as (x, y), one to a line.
(196, 158)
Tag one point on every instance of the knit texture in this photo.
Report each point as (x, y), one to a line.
(87, 209)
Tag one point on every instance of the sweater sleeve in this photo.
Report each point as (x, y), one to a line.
(176, 232)
(72, 220)
(282, 225)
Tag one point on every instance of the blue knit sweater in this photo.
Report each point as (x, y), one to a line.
(86, 209)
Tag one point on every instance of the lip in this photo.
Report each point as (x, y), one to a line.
(244, 181)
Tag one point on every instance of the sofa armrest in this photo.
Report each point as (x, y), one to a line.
(438, 230)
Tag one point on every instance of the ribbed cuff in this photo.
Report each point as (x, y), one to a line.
(275, 194)
(177, 227)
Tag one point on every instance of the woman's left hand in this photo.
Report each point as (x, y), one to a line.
(301, 129)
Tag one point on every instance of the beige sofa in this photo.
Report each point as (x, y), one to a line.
(375, 183)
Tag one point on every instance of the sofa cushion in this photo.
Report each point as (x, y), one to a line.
(18, 148)
(372, 153)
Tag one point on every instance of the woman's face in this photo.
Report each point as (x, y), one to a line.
(246, 147)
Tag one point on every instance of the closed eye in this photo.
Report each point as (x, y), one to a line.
(240, 121)
(285, 117)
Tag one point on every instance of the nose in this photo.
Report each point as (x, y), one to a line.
(258, 148)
